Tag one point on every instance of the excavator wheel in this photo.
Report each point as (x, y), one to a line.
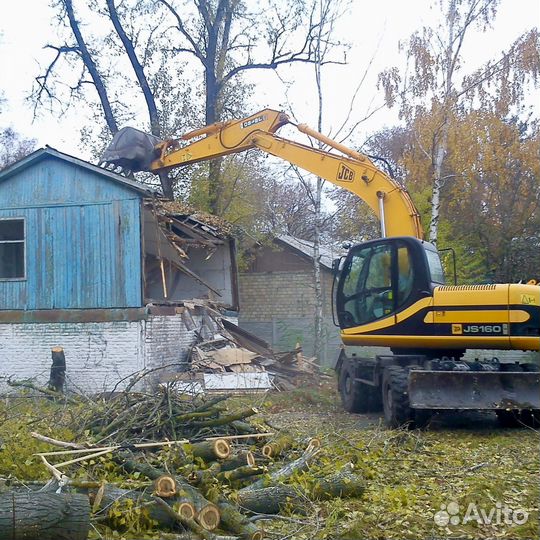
(357, 397)
(395, 398)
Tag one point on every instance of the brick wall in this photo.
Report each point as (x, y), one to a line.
(269, 295)
(98, 355)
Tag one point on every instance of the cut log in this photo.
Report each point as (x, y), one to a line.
(236, 522)
(109, 495)
(300, 464)
(211, 450)
(165, 487)
(44, 516)
(345, 483)
(270, 500)
(57, 377)
(207, 514)
(277, 446)
(239, 474)
(241, 459)
(203, 478)
(186, 522)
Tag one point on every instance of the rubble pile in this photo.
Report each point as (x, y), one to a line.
(223, 347)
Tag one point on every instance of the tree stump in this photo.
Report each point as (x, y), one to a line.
(57, 377)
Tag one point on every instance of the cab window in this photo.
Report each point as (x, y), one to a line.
(367, 289)
(405, 275)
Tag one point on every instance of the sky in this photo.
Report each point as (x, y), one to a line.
(373, 30)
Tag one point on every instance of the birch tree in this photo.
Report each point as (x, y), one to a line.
(435, 81)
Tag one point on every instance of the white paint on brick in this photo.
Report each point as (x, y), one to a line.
(98, 355)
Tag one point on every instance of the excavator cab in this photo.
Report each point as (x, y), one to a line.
(383, 277)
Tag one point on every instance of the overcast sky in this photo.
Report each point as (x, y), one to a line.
(370, 27)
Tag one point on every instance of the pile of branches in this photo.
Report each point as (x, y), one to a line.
(213, 489)
(164, 414)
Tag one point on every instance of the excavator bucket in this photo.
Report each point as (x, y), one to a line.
(131, 149)
(474, 390)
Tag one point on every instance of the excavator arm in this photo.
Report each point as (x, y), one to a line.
(349, 169)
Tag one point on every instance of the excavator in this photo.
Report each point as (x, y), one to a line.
(389, 292)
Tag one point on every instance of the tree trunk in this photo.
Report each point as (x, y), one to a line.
(345, 483)
(240, 474)
(238, 460)
(92, 69)
(109, 495)
(286, 471)
(44, 516)
(438, 181)
(278, 445)
(270, 500)
(207, 513)
(211, 450)
(236, 522)
(57, 377)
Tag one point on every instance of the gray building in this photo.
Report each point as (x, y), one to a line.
(277, 300)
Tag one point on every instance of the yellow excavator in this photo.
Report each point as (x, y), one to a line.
(389, 292)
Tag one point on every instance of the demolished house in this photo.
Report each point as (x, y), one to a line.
(100, 265)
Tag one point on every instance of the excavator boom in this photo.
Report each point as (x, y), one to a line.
(349, 169)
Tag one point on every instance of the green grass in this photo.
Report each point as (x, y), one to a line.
(410, 474)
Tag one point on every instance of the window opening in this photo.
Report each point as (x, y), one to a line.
(12, 249)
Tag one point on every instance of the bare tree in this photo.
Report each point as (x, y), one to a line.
(13, 147)
(160, 39)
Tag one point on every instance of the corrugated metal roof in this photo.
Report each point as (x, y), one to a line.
(48, 152)
(305, 247)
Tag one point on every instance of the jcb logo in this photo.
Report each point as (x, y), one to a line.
(344, 173)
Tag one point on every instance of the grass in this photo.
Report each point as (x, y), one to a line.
(411, 474)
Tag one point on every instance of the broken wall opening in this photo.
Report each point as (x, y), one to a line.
(185, 257)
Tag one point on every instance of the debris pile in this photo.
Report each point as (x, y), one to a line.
(226, 348)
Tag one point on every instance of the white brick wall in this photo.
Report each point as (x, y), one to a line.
(98, 355)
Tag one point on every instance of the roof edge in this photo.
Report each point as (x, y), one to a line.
(48, 152)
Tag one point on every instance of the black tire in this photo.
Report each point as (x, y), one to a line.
(357, 397)
(395, 398)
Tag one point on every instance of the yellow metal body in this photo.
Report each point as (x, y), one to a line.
(454, 317)
(457, 317)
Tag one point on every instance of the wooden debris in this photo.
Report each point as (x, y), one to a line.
(205, 479)
(165, 486)
(278, 445)
(211, 450)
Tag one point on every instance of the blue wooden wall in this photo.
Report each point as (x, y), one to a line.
(83, 238)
